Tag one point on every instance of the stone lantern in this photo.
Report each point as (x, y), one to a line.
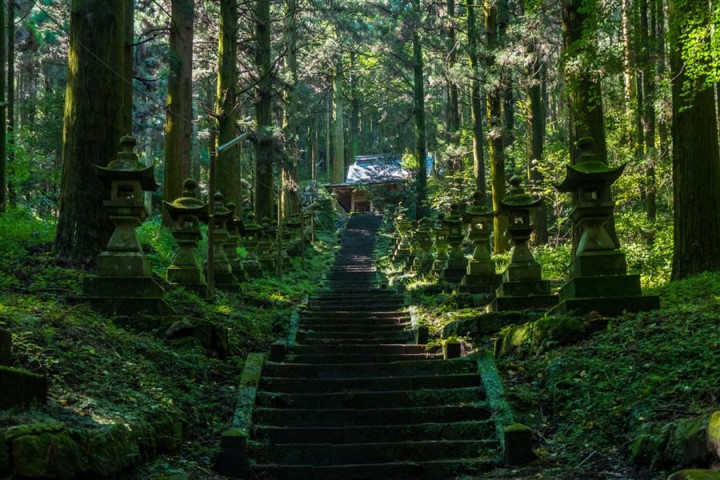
(480, 274)
(422, 245)
(266, 247)
(234, 227)
(294, 229)
(403, 226)
(186, 213)
(124, 283)
(251, 236)
(598, 274)
(457, 263)
(222, 218)
(440, 237)
(522, 286)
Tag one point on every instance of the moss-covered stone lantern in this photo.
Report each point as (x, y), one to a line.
(235, 225)
(124, 283)
(522, 286)
(251, 236)
(422, 248)
(266, 247)
(403, 226)
(598, 274)
(457, 263)
(222, 218)
(440, 237)
(294, 229)
(186, 213)
(480, 274)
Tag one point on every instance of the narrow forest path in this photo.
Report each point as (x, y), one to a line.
(354, 400)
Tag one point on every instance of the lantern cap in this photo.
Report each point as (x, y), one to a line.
(127, 166)
(188, 203)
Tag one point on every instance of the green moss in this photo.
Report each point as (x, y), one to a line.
(694, 474)
(45, 455)
(33, 429)
(4, 454)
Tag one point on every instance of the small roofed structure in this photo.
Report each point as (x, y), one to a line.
(384, 171)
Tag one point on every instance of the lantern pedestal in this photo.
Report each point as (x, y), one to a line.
(598, 276)
(456, 262)
(522, 287)
(124, 283)
(224, 279)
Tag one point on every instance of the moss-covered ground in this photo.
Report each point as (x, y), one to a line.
(103, 372)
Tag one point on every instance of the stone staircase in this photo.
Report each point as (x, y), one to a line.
(354, 400)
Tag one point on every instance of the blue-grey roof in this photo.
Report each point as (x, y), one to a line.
(379, 169)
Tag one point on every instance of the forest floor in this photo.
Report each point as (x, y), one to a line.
(603, 408)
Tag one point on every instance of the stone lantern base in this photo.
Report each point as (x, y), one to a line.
(125, 295)
(522, 295)
(599, 284)
(252, 268)
(455, 270)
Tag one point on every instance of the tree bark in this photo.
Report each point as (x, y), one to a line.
(229, 178)
(93, 123)
(475, 100)
(178, 122)
(289, 171)
(354, 110)
(495, 134)
(3, 118)
(419, 114)
(648, 33)
(127, 126)
(453, 121)
(264, 156)
(12, 195)
(696, 160)
(338, 160)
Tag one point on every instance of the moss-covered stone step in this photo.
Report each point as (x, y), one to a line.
(405, 336)
(376, 349)
(468, 430)
(297, 417)
(338, 454)
(345, 326)
(362, 358)
(314, 385)
(381, 399)
(394, 314)
(370, 294)
(414, 470)
(341, 307)
(411, 368)
(369, 320)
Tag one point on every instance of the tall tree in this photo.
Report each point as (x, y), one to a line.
(226, 103)
(289, 171)
(338, 125)
(419, 113)
(3, 118)
(264, 156)
(178, 122)
(127, 71)
(11, 97)
(696, 160)
(93, 124)
(496, 145)
(475, 99)
(453, 121)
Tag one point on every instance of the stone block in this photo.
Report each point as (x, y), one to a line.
(609, 307)
(534, 302)
(233, 460)
(123, 264)
(5, 347)
(601, 287)
(20, 388)
(278, 351)
(118, 287)
(599, 263)
(451, 349)
(185, 275)
(523, 289)
(522, 272)
(422, 335)
(518, 445)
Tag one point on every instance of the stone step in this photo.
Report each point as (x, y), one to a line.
(365, 370)
(377, 349)
(347, 329)
(339, 454)
(364, 400)
(356, 315)
(341, 307)
(361, 358)
(316, 385)
(468, 430)
(415, 470)
(405, 336)
(370, 320)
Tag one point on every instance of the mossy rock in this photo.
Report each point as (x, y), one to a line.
(4, 455)
(695, 474)
(687, 444)
(647, 448)
(713, 435)
(162, 434)
(546, 333)
(106, 450)
(45, 455)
